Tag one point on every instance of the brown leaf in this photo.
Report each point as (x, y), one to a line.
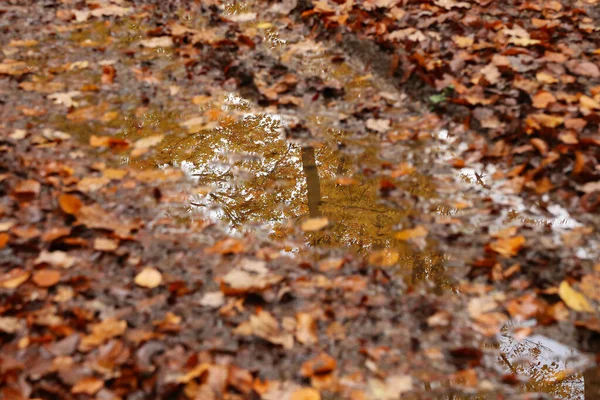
(94, 217)
(28, 187)
(46, 278)
(265, 326)
(238, 282)
(322, 364)
(584, 68)
(89, 385)
(13, 67)
(306, 328)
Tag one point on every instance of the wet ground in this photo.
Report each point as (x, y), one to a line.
(313, 224)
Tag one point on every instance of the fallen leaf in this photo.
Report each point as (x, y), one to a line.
(65, 98)
(110, 10)
(28, 187)
(57, 258)
(104, 244)
(149, 278)
(543, 99)
(237, 282)
(162, 41)
(322, 364)
(390, 389)
(11, 324)
(14, 278)
(306, 394)
(407, 234)
(573, 299)
(384, 258)
(70, 204)
(227, 246)
(306, 328)
(378, 125)
(265, 326)
(101, 332)
(88, 385)
(46, 278)
(13, 68)
(212, 299)
(314, 224)
(508, 247)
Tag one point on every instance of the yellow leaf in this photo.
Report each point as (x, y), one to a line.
(314, 224)
(573, 299)
(306, 394)
(416, 232)
(149, 278)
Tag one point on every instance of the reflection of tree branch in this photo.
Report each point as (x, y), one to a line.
(510, 366)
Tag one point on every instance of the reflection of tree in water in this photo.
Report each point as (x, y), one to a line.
(547, 372)
(257, 176)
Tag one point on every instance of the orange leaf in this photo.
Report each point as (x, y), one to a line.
(508, 247)
(542, 99)
(46, 278)
(321, 364)
(69, 203)
(306, 394)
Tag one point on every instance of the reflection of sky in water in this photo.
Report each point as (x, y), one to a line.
(547, 358)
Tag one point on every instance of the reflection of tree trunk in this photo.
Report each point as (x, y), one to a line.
(591, 383)
(313, 184)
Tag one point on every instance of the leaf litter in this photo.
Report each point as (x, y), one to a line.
(355, 285)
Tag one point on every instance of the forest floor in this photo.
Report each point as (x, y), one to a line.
(299, 200)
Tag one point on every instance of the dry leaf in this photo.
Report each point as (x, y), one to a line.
(573, 299)
(104, 244)
(417, 232)
(543, 99)
(306, 394)
(88, 385)
(57, 258)
(508, 247)
(212, 299)
(101, 332)
(11, 324)
(149, 278)
(46, 278)
(306, 328)
(162, 41)
(265, 326)
(384, 258)
(322, 364)
(14, 278)
(70, 204)
(314, 224)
